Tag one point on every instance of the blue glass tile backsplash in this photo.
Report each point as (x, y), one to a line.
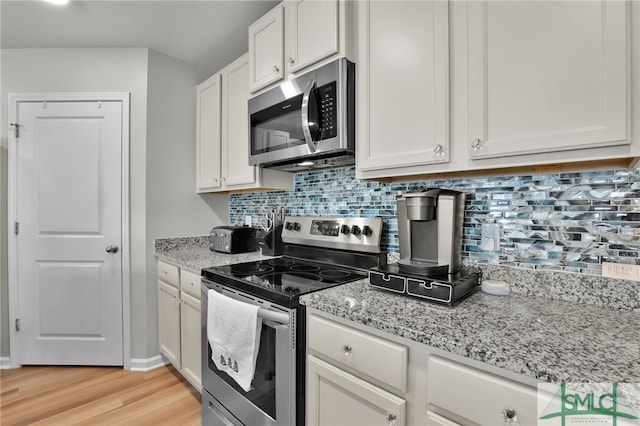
(565, 221)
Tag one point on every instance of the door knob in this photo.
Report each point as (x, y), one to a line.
(111, 249)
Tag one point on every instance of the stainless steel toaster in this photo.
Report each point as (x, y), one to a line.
(233, 239)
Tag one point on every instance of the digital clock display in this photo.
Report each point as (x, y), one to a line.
(329, 228)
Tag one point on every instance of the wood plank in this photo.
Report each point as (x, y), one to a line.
(44, 395)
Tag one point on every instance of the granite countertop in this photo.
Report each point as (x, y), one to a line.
(193, 253)
(548, 340)
(584, 329)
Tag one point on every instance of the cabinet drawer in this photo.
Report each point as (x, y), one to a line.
(168, 273)
(456, 388)
(377, 358)
(190, 283)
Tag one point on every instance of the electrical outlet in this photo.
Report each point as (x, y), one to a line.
(621, 270)
(247, 220)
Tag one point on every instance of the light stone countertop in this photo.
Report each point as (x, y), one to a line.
(548, 340)
(193, 253)
(585, 329)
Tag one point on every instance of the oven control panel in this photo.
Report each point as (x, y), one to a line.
(349, 233)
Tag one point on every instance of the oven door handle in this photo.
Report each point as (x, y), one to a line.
(307, 103)
(276, 317)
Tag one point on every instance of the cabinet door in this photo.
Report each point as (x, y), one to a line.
(403, 85)
(266, 49)
(434, 419)
(169, 322)
(208, 138)
(191, 335)
(312, 31)
(546, 76)
(455, 388)
(235, 142)
(335, 397)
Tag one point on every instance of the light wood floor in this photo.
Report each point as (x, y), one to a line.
(39, 395)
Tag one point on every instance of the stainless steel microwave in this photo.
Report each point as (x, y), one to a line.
(307, 122)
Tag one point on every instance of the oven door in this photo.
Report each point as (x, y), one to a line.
(271, 401)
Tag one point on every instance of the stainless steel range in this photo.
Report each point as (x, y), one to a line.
(319, 253)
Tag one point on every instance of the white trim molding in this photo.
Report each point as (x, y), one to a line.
(5, 362)
(148, 364)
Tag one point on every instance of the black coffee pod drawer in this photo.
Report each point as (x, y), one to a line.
(387, 281)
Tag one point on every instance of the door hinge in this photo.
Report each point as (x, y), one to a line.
(16, 129)
(16, 228)
(17, 324)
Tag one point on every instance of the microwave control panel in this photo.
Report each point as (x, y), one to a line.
(326, 96)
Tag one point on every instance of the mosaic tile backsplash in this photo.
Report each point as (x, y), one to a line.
(566, 222)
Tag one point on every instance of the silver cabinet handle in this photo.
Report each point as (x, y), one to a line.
(476, 143)
(291, 60)
(111, 249)
(276, 69)
(438, 149)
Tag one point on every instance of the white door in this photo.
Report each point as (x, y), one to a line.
(68, 256)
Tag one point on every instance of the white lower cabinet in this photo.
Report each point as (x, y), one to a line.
(358, 375)
(353, 377)
(336, 397)
(434, 419)
(179, 322)
(473, 396)
(169, 322)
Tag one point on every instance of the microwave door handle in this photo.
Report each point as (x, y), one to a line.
(306, 130)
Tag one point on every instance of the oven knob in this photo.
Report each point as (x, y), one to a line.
(355, 230)
(366, 230)
(344, 229)
(288, 226)
(296, 226)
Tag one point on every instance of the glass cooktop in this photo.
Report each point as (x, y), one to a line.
(281, 280)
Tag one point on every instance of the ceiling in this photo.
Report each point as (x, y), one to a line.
(208, 33)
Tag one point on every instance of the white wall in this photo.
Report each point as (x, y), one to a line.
(157, 121)
(174, 209)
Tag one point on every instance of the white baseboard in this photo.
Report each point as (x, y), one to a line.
(5, 362)
(148, 364)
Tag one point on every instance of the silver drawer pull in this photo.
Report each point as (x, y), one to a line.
(346, 349)
(391, 419)
(509, 416)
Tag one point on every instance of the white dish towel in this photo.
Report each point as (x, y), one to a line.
(233, 331)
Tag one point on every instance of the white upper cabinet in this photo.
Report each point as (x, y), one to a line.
(266, 49)
(402, 52)
(546, 76)
(235, 126)
(296, 35)
(487, 84)
(208, 135)
(312, 32)
(223, 149)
